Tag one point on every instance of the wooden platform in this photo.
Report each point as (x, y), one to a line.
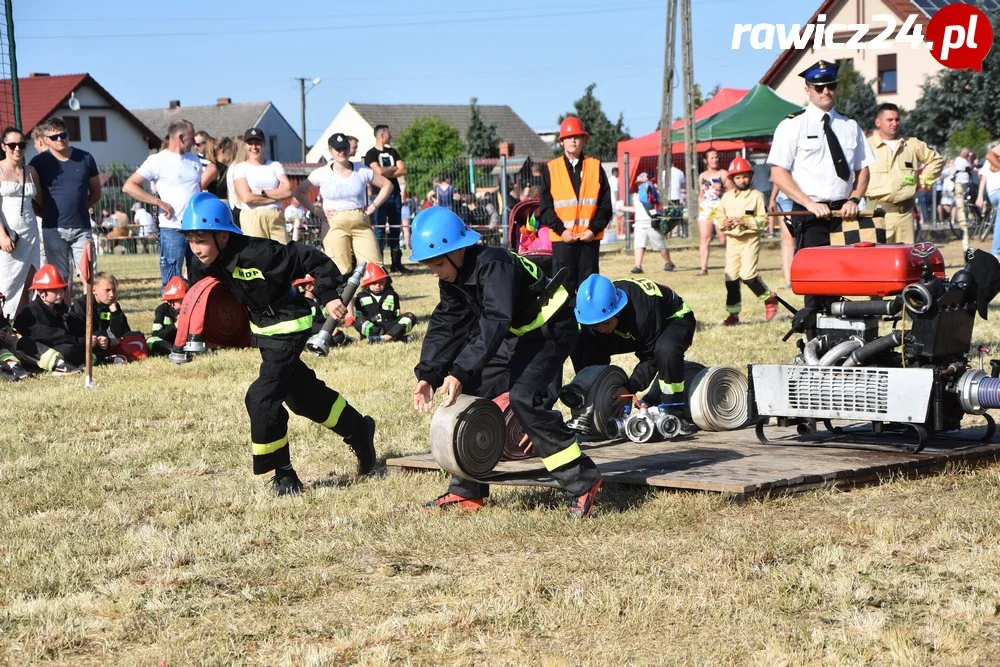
(735, 462)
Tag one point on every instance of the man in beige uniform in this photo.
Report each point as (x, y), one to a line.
(893, 184)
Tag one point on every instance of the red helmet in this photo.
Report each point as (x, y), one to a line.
(740, 166)
(175, 290)
(307, 280)
(571, 127)
(373, 274)
(48, 278)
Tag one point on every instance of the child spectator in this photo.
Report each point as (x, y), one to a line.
(161, 341)
(307, 288)
(109, 319)
(376, 309)
(48, 321)
(10, 364)
(741, 216)
(259, 272)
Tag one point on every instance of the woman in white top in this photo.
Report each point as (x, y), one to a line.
(18, 229)
(344, 187)
(261, 185)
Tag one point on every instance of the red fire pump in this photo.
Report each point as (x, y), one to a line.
(917, 379)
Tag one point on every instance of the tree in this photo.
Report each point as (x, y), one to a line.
(481, 139)
(972, 135)
(949, 101)
(861, 104)
(847, 80)
(429, 147)
(604, 135)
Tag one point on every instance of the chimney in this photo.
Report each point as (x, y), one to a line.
(174, 104)
(507, 148)
(37, 74)
(223, 101)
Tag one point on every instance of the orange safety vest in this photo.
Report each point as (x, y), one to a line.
(576, 212)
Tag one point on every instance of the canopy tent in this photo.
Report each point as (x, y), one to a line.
(725, 98)
(746, 125)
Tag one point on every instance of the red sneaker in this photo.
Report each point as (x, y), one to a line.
(453, 501)
(731, 321)
(580, 507)
(770, 307)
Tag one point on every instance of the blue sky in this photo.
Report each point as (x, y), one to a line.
(535, 56)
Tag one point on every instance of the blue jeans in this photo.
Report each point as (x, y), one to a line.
(174, 254)
(61, 244)
(390, 211)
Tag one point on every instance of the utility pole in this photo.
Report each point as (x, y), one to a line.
(666, 109)
(690, 139)
(302, 101)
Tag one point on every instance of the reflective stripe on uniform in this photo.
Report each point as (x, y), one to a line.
(672, 388)
(247, 274)
(152, 340)
(548, 310)
(287, 327)
(338, 407)
(104, 316)
(49, 359)
(681, 312)
(562, 457)
(157, 327)
(262, 449)
(565, 202)
(406, 323)
(7, 356)
(366, 328)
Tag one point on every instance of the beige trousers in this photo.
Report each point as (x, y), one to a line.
(264, 223)
(350, 231)
(742, 256)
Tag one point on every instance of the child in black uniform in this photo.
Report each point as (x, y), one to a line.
(107, 314)
(10, 363)
(488, 297)
(307, 287)
(48, 322)
(164, 331)
(260, 273)
(376, 309)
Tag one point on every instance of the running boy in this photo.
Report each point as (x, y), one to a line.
(490, 296)
(260, 273)
(741, 216)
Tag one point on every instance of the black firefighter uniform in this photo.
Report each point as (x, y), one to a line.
(499, 295)
(260, 273)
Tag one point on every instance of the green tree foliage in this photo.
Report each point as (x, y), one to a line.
(429, 147)
(604, 135)
(954, 98)
(861, 103)
(847, 80)
(972, 135)
(481, 139)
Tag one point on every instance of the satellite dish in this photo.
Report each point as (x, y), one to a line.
(74, 104)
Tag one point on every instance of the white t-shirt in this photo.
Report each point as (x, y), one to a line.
(260, 177)
(961, 170)
(677, 183)
(642, 218)
(339, 193)
(177, 179)
(146, 222)
(613, 183)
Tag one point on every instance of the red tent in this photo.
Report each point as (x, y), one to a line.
(644, 151)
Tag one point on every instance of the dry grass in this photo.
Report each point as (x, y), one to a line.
(132, 532)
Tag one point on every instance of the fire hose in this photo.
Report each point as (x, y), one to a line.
(718, 397)
(320, 343)
(210, 317)
(468, 438)
(591, 396)
(513, 431)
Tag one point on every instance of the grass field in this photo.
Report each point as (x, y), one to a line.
(133, 532)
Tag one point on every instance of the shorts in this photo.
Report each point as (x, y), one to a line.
(707, 207)
(646, 236)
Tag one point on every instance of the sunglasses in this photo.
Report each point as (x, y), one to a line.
(829, 86)
(56, 137)
(199, 143)
(14, 145)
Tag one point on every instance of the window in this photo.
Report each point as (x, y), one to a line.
(72, 127)
(98, 128)
(272, 144)
(887, 73)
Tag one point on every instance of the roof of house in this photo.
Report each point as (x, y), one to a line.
(219, 120)
(510, 126)
(42, 95)
(902, 9)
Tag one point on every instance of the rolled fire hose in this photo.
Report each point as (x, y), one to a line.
(467, 438)
(719, 399)
(512, 450)
(211, 317)
(593, 392)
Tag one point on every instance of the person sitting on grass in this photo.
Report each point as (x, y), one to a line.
(164, 332)
(108, 317)
(10, 362)
(48, 322)
(259, 272)
(646, 318)
(307, 288)
(376, 307)
(490, 297)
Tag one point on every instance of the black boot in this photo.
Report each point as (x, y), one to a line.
(285, 483)
(397, 261)
(362, 442)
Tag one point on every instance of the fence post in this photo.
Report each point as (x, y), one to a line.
(628, 228)
(504, 222)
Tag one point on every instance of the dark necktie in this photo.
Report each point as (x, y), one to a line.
(836, 152)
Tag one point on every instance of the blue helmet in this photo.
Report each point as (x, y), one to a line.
(207, 213)
(598, 300)
(437, 231)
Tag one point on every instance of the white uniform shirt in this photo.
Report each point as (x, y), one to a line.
(799, 145)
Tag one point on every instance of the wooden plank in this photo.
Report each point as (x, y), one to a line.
(734, 462)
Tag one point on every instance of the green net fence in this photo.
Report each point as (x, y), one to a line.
(9, 98)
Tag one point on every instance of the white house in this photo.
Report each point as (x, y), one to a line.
(95, 120)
